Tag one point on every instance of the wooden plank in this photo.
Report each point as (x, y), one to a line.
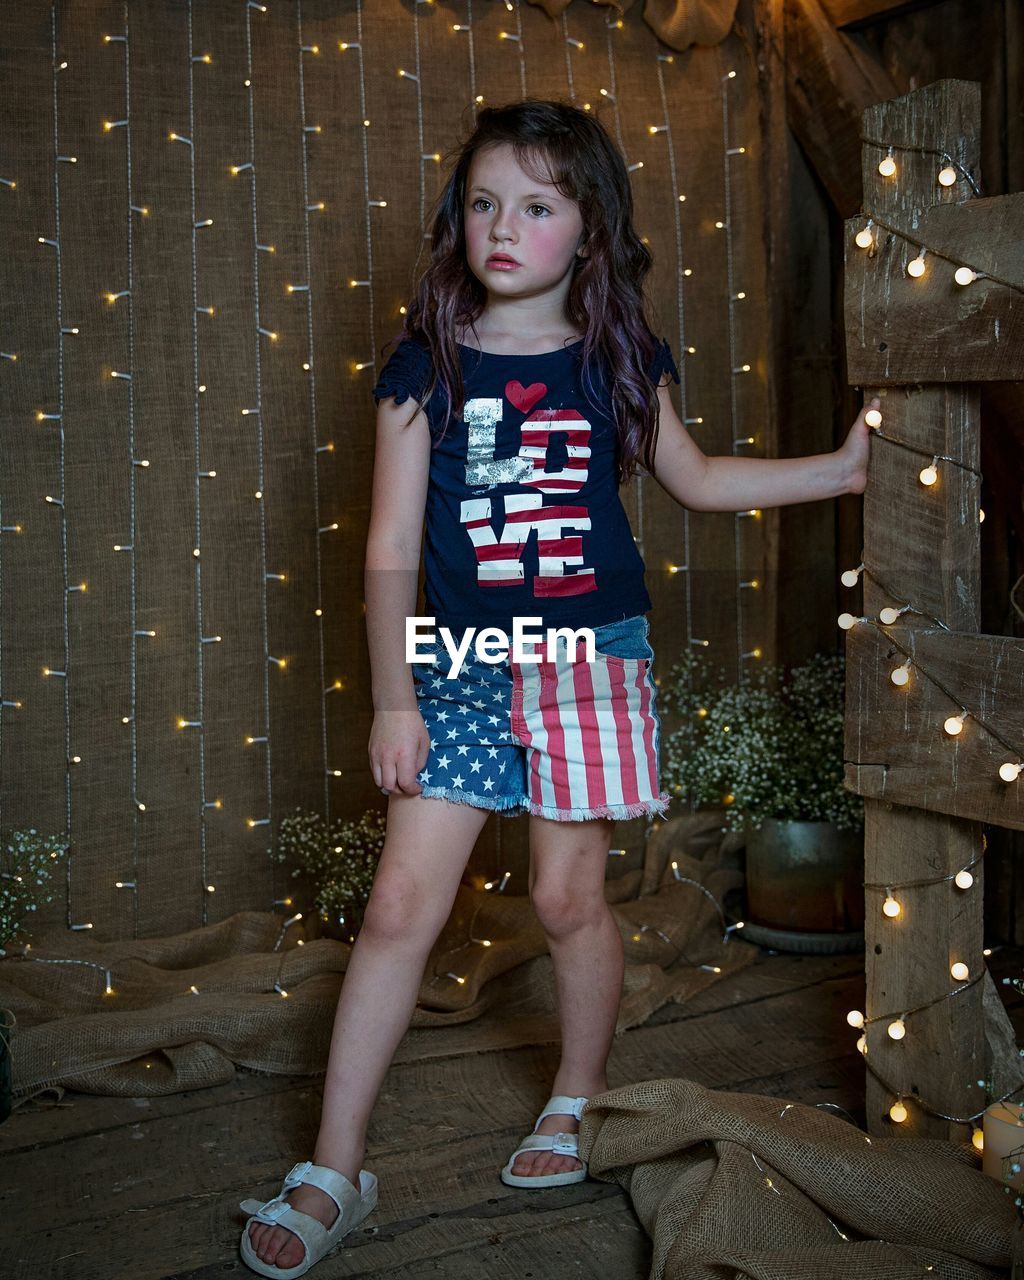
(927, 559)
(844, 12)
(943, 1055)
(436, 1142)
(898, 327)
(830, 81)
(896, 748)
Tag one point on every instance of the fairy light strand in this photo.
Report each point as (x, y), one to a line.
(260, 428)
(889, 147)
(741, 652)
(1015, 751)
(677, 219)
(197, 488)
(924, 453)
(314, 429)
(132, 567)
(56, 244)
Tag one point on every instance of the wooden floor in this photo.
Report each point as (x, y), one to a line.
(149, 1188)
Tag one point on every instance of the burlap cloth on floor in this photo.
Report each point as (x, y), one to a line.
(187, 1010)
(736, 1185)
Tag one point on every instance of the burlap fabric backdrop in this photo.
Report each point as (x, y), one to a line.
(298, 135)
(187, 1010)
(733, 1185)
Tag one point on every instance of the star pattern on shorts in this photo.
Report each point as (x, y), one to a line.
(467, 718)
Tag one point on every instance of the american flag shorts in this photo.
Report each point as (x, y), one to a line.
(561, 739)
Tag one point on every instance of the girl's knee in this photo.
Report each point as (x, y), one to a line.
(396, 913)
(562, 909)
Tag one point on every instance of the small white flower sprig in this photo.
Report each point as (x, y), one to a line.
(771, 747)
(27, 862)
(341, 859)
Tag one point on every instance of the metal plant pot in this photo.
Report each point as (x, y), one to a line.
(805, 876)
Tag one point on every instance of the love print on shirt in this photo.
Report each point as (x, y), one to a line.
(499, 559)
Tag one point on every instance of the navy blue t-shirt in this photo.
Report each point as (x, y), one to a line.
(523, 516)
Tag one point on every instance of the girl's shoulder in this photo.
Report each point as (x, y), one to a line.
(662, 362)
(406, 372)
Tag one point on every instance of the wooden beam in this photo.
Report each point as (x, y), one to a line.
(921, 550)
(895, 321)
(829, 83)
(896, 746)
(844, 12)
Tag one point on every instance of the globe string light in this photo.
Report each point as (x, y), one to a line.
(962, 877)
(946, 157)
(859, 1020)
(1010, 769)
(924, 453)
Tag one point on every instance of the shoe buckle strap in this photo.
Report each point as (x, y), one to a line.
(566, 1144)
(294, 1176)
(272, 1211)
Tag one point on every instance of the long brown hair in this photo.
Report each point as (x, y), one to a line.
(606, 299)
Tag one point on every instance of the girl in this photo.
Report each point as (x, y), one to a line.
(537, 386)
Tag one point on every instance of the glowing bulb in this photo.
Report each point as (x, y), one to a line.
(887, 167)
(915, 268)
(959, 971)
(864, 238)
(1009, 771)
(897, 1030)
(855, 1018)
(978, 1138)
(947, 175)
(964, 275)
(891, 907)
(963, 879)
(862, 1045)
(849, 578)
(902, 674)
(888, 615)
(928, 475)
(846, 621)
(873, 418)
(953, 725)
(898, 1112)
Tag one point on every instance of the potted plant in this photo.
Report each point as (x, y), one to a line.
(341, 860)
(27, 862)
(769, 753)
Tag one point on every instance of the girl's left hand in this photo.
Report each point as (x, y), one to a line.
(855, 450)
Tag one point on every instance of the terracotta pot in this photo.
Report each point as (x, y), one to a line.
(805, 876)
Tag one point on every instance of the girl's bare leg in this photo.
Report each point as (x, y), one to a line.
(425, 852)
(567, 873)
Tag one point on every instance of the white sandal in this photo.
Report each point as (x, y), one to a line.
(353, 1207)
(561, 1144)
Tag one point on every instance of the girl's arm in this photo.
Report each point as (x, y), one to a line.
(398, 740)
(728, 483)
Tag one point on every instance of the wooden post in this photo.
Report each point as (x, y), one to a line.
(919, 341)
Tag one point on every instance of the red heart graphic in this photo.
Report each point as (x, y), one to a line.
(524, 398)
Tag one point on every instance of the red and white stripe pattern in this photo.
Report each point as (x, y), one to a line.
(590, 735)
(537, 430)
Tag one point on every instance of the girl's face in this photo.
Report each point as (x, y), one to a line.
(510, 213)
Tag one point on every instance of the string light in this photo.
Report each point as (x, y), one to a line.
(901, 675)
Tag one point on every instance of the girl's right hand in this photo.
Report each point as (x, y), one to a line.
(399, 746)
